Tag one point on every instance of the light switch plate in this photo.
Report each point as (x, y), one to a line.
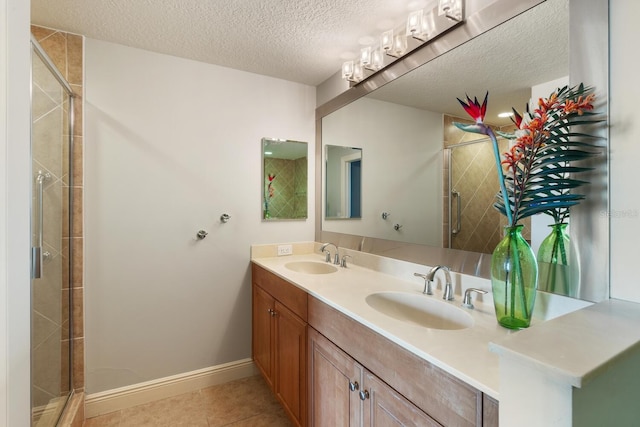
(285, 250)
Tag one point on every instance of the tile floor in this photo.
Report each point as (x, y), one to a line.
(243, 403)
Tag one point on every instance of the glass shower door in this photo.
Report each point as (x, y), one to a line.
(50, 214)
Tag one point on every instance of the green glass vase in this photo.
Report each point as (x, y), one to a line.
(514, 277)
(554, 263)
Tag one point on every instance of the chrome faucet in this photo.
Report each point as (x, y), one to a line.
(448, 287)
(466, 301)
(336, 258)
(427, 283)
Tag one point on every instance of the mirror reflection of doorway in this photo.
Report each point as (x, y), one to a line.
(343, 182)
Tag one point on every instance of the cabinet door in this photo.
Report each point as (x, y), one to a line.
(384, 407)
(334, 383)
(291, 366)
(263, 337)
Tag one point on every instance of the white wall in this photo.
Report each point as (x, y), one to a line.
(407, 141)
(15, 184)
(172, 144)
(540, 223)
(624, 151)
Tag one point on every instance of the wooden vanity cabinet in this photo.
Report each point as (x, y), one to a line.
(327, 369)
(279, 340)
(343, 393)
(401, 385)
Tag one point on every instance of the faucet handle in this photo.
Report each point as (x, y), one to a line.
(427, 283)
(343, 263)
(466, 300)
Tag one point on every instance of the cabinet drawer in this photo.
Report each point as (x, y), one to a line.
(450, 401)
(294, 298)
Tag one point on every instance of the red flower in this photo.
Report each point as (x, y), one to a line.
(272, 176)
(474, 109)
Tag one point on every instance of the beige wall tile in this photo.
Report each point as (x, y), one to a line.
(77, 226)
(74, 59)
(78, 313)
(41, 33)
(56, 47)
(78, 364)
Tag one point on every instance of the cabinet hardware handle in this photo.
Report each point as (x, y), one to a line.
(364, 394)
(273, 313)
(353, 386)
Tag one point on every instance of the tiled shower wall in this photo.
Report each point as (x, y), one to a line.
(289, 199)
(66, 51)
(474, 175)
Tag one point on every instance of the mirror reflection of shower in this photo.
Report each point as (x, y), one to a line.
(51, 148)
(471, 183)
(284, 179)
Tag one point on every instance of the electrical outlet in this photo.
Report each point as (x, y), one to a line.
(285, 250)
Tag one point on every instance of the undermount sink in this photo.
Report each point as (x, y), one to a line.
(420, 310)
(311, 267)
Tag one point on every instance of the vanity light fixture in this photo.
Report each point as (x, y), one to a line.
(352, 71)
(452, 9)
(399, 45)
(393, 44)
(347, 70)
(505, 114)
(419, 24)
(371, 58)
(386, 41)
(358, 71)
(422, 25)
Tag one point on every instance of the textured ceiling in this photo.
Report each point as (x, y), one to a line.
(301, 40)
(306, 41)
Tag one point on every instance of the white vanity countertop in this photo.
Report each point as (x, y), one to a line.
(575, 348)
(463, 353)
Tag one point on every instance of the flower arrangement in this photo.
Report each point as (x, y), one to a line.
(268, 194)
(537, 178)
(539, 163)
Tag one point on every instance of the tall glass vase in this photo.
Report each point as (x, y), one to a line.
(555, 263)
(514, 276)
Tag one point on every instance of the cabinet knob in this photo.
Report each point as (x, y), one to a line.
(271, 311)
(353, 386)
(364, 394)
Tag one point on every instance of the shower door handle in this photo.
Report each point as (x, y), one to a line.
(36, 251)
(458, 197)
(36, 262)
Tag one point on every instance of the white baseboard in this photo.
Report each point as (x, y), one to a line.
(137, 394)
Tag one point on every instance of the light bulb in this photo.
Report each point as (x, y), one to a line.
(347, 70)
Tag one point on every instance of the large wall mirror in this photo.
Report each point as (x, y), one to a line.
(284, 179)
(428, 189)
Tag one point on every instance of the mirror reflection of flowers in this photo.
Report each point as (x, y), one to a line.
(538, 166)
(268, 194)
